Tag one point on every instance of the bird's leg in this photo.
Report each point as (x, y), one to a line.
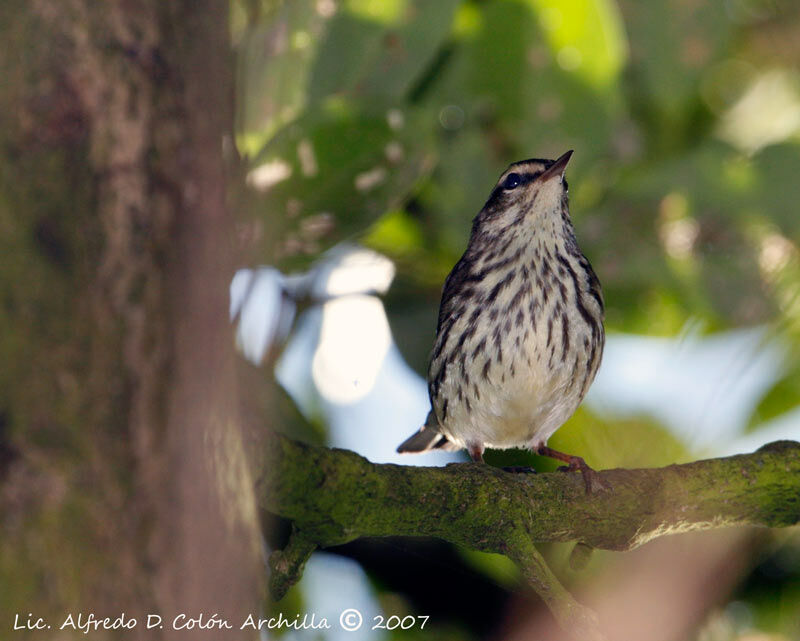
(590, 478)
(475, 451)
(476, 454)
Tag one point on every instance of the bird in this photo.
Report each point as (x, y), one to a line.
(520, 331)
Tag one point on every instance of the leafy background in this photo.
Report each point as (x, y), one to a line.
(385, 122)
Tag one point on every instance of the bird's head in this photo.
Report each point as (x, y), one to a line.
(533, 192)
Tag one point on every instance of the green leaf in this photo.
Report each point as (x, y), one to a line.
(778, 190)
(585, 36)
(672, 44)
(379, 48)
(783, 397)
(274, 65)
(497, 567)
(333, 172)
(608, 442)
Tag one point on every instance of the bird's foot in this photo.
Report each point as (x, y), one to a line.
(475, 451)
(591, 479)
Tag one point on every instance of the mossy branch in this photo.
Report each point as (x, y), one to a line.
(335, 496)
(286, 566)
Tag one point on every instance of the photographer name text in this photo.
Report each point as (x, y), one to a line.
(349, 619)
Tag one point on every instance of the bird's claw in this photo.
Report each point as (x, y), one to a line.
(591, 479)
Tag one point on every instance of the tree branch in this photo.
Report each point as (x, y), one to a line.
(570, 614)
(335, 496)
(286, 566)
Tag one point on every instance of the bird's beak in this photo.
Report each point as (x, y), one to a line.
(557, 168)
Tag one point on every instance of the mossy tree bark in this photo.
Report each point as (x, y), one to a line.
(124, 481)
(336, 496)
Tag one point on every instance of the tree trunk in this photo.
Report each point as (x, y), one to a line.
(125, 484)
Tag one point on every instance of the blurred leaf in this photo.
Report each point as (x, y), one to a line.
(495, 68)
(708, 244)
(671, 45)
(497, 567)
(461, 184)
(244, 14)
(618, 442)
(379, 48)
(274, 65)
(585, 36)
(505, 73)
(395, 231)
(767, 112)
(330, 174)
(777, 188)
(782, 398)
(712, 175)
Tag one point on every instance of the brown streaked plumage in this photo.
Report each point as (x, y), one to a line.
(520, 333)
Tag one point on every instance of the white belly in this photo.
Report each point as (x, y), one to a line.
(511, 411)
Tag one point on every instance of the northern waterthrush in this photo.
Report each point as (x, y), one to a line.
(520, 333)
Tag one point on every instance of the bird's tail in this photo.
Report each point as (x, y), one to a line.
(427, 438)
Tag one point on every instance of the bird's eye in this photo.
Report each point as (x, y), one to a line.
(512, 181)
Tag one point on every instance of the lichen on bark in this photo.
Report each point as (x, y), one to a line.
(334, 496)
